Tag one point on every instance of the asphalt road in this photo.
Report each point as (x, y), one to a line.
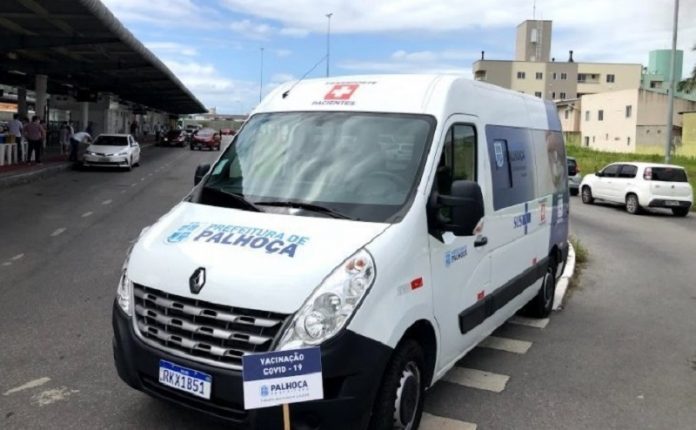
(621, 355)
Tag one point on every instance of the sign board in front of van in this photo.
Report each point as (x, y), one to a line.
(282, 377)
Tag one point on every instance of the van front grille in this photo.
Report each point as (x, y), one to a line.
(203, 331)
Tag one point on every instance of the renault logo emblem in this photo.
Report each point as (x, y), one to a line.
(197, 280)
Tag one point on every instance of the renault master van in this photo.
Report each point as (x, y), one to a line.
(393, 221)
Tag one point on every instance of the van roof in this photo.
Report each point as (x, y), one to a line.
(408, 93)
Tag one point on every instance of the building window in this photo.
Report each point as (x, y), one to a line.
(628, 141)
(629, 111)
(539, 75)
(587, 115)
(564, 76)
(610, 79)
(566, 114)
(563, 96)
(521, 75)
(606, 136)
(582, 77)
(593, 139)
(553, 95)
(600, 115)
(538, 94)
(659, 131)
(554, 76)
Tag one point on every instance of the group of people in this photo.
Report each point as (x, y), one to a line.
(33, 131)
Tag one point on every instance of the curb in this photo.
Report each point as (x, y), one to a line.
(562, 284)
(28, 177)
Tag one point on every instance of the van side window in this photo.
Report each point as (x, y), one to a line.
(458, 159)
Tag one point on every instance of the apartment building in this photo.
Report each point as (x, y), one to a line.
(533, 72)
(631, 120)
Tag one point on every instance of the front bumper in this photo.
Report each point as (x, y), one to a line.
(108, 160)
(669, 203)
(352, 367)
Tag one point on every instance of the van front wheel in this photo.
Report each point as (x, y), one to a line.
(399, 402)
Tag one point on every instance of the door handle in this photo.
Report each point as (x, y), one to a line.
(480, 241)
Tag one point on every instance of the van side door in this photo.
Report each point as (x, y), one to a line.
(460, 265)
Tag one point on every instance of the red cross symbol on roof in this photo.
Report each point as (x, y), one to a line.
(341, 92)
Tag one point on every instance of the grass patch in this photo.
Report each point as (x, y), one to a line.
(591, 160)
(581, 258)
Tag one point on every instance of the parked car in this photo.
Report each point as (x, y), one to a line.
(190, 129)
(173, 138)
(228, 132)
(574, 176)
(112, 150)
(640, 185)
(205, 138)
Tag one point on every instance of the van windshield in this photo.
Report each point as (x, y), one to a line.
(362, 166)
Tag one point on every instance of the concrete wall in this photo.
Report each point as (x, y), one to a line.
(525, 49)
(616, 132)
(496, 72)
(688, 134)
(653, 108)
(570, 117)
(554, 87)
(626, 76)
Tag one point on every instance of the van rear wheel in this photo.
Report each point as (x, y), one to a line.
(399, 401)
(542, 304)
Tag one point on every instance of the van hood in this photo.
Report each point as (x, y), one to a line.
(264, 261)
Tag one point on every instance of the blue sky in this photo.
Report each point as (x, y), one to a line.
(214, 46)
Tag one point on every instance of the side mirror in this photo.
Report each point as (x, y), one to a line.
(599, 174)
(466, 202)
(201, 171)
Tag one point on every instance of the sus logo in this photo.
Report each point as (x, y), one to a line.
(183, 232)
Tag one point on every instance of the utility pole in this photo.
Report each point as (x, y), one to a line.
(670, 103)
(328, 42)
(261, 77)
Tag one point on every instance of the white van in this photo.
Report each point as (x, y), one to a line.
(395, 221)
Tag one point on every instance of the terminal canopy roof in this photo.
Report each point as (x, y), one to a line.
(83, 48)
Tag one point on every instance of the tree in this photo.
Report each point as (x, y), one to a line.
(688, 84)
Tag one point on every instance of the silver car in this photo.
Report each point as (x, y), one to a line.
(574, 176)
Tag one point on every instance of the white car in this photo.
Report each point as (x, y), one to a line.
(640, 185)
(112, 150)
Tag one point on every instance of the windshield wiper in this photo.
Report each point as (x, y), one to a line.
(306, 206)
(237, 197)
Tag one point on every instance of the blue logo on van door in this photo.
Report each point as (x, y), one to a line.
(499, 156)
(455, 255)
(183, 232)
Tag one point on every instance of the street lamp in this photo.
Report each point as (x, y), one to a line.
(328, 42)
(670, 103)
(261, 77)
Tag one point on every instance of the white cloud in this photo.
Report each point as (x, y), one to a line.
(401, 61)
(252, 30)
(597, 28)
(213, 89)
(294, 32)
(163, 48)
(163, 13)
(280, 78)
(282, 53)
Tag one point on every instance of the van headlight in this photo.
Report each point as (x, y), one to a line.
(332, 303)
(124, 293)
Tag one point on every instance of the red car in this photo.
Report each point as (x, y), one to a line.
(205, 138)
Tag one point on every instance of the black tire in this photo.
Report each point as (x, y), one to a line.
(403, 384)
(587, 195)
(682, 212)
(191, 147)
(574, 191)
(542, 304)
(130, 165)
(632, 205)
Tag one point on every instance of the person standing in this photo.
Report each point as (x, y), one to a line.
(35, 134)
(133, 128)
(14, 134)
(76, 140)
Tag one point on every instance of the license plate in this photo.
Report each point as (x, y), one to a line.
(184, 379)
(672, 203)
(104, 159)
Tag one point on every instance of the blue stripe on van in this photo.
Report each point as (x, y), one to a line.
(552, 116)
